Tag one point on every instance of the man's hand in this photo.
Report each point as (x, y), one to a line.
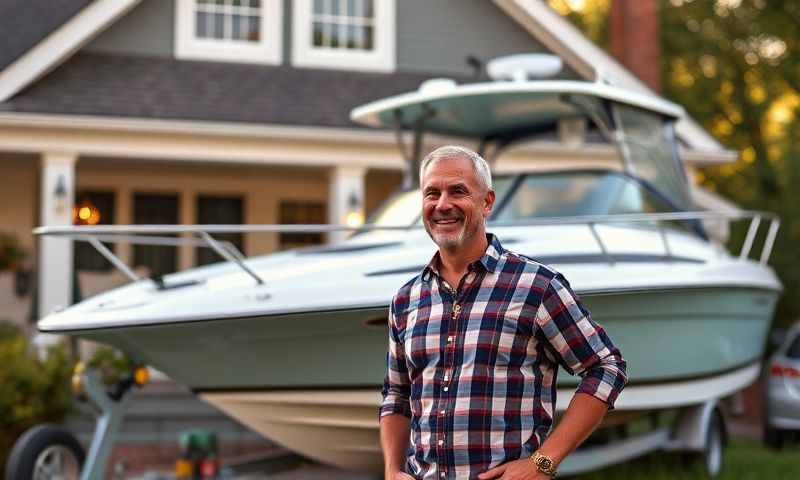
(399, 476)
(522, 469)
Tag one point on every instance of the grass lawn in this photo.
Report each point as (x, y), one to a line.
(744, 460)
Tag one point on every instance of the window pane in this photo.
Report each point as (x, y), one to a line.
(253, 29)
(368, 43)
(319, 7)
(294, 212)
(336, 7)
(201, 25)
(220, 211)
(93, 208)
(219, 26)
(318, 35)
(155, 209)
(335, 41)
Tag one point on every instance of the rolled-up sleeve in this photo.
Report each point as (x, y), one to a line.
(396, 384)
(581, 345)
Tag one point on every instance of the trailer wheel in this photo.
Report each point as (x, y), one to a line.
(710, 458)
(45, 452)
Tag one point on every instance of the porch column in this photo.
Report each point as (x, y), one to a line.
(57, 195)
(346, 199)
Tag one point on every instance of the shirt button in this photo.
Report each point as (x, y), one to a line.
(446, 388)
(450, 338)
(441, 412)
(441, 442)
(442, 474)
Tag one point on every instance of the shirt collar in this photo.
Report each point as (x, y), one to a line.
(488, 260)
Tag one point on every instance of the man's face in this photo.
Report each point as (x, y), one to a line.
(454, 203)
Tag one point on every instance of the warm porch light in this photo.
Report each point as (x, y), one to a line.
(354, 219)
(85, 213)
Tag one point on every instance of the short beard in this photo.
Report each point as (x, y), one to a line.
(452, 243)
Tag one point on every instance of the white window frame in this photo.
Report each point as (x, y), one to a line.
(268, 50)
(382, 58)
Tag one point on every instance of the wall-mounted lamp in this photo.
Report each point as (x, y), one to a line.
(60, 193)
(355, 215)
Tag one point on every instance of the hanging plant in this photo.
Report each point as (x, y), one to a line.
(11, 253)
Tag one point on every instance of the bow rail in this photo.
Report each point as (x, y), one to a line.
(202, 235)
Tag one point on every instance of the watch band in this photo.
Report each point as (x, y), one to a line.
(544, 463)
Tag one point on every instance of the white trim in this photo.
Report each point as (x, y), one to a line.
(589, 60)
(381, 59)
(61, 44)
(268, 50)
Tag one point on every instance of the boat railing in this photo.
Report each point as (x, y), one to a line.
(202, 235)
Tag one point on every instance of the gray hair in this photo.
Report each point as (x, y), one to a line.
(479, 165)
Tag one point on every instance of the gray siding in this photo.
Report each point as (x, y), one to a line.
(437, 35)
(145, 30)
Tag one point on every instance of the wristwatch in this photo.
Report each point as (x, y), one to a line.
(544, 463)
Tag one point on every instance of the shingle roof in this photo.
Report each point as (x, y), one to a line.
(165, 88)
(26, 22)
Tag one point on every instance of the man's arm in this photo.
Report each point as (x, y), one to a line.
(394, 443)
(582, 347)
(395, 410)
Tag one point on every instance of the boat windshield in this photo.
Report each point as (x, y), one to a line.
(577, 193)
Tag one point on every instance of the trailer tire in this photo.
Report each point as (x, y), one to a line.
(709, 460)
(43, 452)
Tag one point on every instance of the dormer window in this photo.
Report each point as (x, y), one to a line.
(229, 30)
(346, 34)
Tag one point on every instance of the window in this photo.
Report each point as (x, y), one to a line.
(347, 34)
(299, 212)
(219, 211)
(93, 208)
(229, 30)
(155, 209)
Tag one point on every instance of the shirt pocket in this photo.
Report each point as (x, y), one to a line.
(497, 337)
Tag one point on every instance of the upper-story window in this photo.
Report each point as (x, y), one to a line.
(229, 30)
(348, 34)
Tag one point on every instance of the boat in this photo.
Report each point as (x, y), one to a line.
(293, 344)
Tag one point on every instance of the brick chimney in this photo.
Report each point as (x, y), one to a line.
(635, 40)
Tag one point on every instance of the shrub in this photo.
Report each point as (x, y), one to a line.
(32, 390)
(11, 253)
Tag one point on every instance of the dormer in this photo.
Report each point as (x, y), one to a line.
(344, 34)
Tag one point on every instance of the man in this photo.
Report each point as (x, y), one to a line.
(474, 344)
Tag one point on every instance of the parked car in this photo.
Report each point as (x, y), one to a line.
(782, 391)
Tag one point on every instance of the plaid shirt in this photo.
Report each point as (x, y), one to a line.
(475, 369)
